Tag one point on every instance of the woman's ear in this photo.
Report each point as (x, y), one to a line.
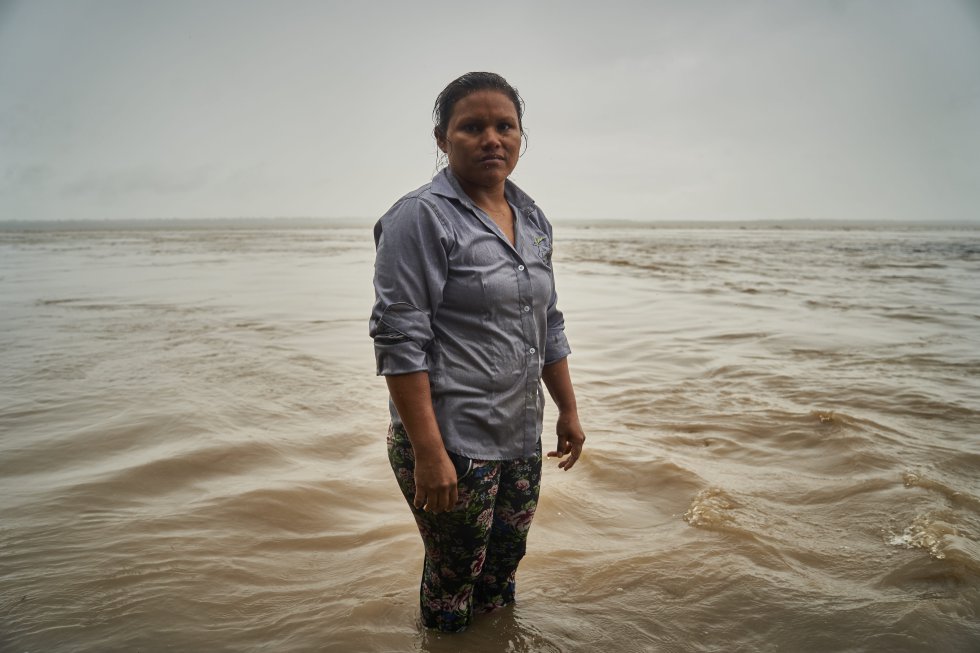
(440, 140)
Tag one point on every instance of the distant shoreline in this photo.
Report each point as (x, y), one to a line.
(183, 224)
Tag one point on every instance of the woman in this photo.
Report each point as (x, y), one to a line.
(465, 327)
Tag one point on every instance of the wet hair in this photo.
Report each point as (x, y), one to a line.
(463, 86)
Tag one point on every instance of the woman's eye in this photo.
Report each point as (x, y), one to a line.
(471, 129)
(505, 127)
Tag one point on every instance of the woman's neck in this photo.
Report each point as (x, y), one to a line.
(493, 202)
(487, 198)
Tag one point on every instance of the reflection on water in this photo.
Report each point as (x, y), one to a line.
(782, 451)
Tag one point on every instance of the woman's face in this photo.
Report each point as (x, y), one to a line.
(483, 139)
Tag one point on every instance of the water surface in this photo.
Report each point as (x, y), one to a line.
(783, 450)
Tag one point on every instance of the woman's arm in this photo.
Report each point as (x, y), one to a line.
(571, 437)
(435, 476)
(409, 275)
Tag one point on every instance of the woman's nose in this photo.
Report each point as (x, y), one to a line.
(490, 137)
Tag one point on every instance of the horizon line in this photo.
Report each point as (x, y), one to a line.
(92, 224)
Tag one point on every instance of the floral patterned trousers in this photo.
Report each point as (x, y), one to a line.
(472, 551)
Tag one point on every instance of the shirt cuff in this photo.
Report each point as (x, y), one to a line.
(400, 358)
(556, 347)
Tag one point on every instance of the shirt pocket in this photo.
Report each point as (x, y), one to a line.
(541, 244)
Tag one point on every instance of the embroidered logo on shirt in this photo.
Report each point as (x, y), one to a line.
(542, 249)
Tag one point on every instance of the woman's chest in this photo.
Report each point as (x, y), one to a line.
(487, 274)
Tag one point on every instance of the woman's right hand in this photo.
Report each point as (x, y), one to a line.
(435, 476)
(435, 482)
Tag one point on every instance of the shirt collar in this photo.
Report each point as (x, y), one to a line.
(445, 184)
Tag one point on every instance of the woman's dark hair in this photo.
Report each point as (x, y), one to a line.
(463, 86)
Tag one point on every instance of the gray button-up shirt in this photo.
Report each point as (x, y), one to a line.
(456, 299)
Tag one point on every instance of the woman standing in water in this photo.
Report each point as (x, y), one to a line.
(465, 327)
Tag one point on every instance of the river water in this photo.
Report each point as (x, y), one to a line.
(783, 452)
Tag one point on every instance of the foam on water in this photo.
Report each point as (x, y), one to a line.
(711, 508)
(927, 532)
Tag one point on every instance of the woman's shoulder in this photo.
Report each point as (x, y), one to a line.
(412, 203)
(411, 199)
(416, 209)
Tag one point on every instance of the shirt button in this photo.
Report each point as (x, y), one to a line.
(520, 267)
(527, 308)
(531, 350)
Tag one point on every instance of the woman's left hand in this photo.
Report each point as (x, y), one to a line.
(571, 439)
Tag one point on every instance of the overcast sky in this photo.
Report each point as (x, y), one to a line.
(639, 110)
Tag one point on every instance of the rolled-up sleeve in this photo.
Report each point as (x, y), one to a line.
(556, 344)
(410, 270)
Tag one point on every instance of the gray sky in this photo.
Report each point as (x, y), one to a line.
(639, 110)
